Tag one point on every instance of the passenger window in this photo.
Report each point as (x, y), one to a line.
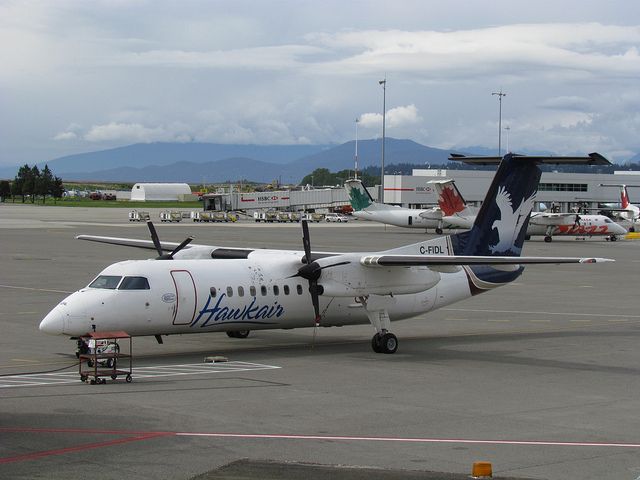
(105, 281)
(276, 290)
(213, 292)
(252, 291)
(240, 291)
(263, 290)
(134, 283)
(229, 292)
(286, 289)
(299, 289)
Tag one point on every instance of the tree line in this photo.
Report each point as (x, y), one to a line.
(31, 183)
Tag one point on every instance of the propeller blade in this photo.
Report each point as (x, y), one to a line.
(154, 237)
(184, 243)
(313, 289)
(306, 242)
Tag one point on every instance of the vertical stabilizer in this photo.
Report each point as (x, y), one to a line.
(450, 200)
(360, 198)
(624, 197)
(501, 223)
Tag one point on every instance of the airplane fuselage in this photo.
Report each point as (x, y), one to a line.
(589, 225)
(403, 217)
(260, 292)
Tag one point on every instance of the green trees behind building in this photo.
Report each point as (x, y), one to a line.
(32, 183)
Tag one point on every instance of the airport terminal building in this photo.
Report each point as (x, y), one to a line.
(568, 190)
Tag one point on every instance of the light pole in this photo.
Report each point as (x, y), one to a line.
(507, 129)
(500, 95)
(355, 172)
(384, 124)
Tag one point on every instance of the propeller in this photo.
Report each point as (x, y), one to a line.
(156, 243)
(311, 271)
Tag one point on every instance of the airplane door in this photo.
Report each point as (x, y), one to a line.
(410, 221)
(186, 299)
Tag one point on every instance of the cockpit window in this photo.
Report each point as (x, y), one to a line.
(134, 283)
(607, 220)
(106, 281)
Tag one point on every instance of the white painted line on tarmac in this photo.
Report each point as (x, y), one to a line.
(46, 379)
(520, 312)
(34, 289)
(410, 440)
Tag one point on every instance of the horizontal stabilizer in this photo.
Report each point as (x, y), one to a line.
(428, 260)
(591, 159)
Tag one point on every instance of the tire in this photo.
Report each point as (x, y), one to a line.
(614, 238)
(439, 231)
(547, 239)
(389, 343)
(239, 334)
(128, 379)
(375, 343)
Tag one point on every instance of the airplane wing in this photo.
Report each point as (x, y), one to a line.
(133, 242)
(435, 260)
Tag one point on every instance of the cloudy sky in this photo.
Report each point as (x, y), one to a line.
(79, 76)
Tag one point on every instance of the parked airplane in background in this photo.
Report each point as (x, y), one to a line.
(545, 224)
(364, 207)
(199, 288)
(627, 214)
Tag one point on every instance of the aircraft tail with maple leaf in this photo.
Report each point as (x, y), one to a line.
(455, 210)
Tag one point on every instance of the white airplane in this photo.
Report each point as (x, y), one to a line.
(628, 213)
(366, 208)
(545, 224)
(199, 288)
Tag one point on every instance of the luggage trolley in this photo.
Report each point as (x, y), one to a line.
(100, 357)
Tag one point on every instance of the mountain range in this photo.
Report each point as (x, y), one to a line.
(216, 163)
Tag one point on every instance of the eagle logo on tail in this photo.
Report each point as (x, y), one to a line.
(511, 220)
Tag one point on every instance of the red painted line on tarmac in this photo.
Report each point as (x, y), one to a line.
(134, 437)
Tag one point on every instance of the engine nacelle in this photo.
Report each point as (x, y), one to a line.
(354, 280)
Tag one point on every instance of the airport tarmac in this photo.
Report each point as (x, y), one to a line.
(541, 377)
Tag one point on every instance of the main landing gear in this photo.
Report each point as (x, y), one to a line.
(238, 334)
(377, 307)
(384, 343)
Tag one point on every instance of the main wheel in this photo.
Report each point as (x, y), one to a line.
(613, 238)
(547, 239)
(375, 343)
(439, 231)
(389, 343)
(242, 333)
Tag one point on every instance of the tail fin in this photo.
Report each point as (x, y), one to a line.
(501, 224)
(624, 197)
(360, 198)
(450, 199)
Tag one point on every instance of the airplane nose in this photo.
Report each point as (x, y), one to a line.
(52, 323)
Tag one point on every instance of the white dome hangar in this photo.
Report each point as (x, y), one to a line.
(142, 192)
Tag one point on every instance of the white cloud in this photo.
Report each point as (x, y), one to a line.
(128, 132)
(66, 136)
(396, 117)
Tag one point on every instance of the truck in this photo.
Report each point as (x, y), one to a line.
(267, 217)
(313, 217)
(137, 216)
(170, 216)
(214, 216)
